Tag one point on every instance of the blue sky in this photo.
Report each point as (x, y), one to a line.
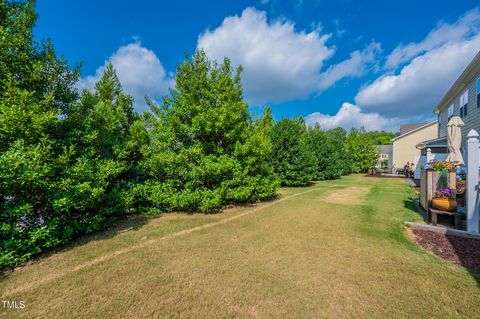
(339, 63)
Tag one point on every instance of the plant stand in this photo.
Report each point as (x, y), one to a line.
(429, 182)
(433, 213)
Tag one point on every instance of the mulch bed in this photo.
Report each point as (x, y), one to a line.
(459, 250)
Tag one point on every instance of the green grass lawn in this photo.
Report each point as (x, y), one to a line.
(335, 249)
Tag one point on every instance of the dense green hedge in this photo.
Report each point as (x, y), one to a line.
(301, 154)
(72, 162)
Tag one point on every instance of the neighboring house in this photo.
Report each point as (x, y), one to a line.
(385, 155)
(463, 99)
(404, 146)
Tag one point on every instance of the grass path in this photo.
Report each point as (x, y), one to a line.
(336, 249)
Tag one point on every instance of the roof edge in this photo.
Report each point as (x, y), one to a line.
(459, 84)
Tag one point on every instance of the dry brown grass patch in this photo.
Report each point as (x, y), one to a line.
(348, 196)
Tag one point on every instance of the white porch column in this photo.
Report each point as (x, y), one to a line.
(472, 180)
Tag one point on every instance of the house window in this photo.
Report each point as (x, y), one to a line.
(450, 112)
(463, 103)
(478, 92)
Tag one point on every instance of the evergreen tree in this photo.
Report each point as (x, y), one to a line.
(205, 150)
(103, 155)
(342, 159)
(330, 152)
(293, 161)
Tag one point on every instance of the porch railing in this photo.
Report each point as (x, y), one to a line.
(473, 172)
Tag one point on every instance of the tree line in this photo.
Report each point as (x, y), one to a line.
(72, 162)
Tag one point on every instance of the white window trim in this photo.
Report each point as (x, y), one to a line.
(463, 103)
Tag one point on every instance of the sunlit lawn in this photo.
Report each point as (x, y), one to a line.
(336, 249)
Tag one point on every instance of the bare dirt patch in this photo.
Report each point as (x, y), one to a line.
(348, 196)
(459, 250)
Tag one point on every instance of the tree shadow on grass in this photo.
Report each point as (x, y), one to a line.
(414, 206)
(123, 224)
(133, 222)
(308, 184)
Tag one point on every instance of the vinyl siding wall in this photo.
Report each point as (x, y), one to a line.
(472, 120)
(404, 147)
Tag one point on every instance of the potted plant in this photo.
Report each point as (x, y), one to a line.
(442, 167)
(444, 199)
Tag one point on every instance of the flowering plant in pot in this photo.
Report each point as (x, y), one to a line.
(444, 199)
(440, 166)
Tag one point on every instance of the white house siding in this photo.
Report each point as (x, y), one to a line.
(442, 123)
(472, 120)
(404, 146)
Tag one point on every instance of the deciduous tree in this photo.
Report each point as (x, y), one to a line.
(363, 152)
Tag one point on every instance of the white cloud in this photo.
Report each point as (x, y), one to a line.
(465, 26)
(280, 63)
(139, 71)
(349, 116)
(432, 67)
(354, 66)
(421, 84)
